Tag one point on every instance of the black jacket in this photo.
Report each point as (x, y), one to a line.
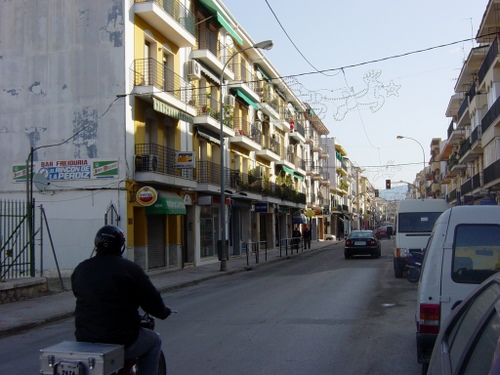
(109, 290)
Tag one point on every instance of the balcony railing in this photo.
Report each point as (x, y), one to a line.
(244, 128)
(450, 129)
(491, 115)
(463, 107)
(464, 147)
(242, 73)
(492, 172)
(466, 187)
(299, 162)
(452, 196)
(488, 61)
(271, 144)
(151, 157)
(150, 72)
(475, 135)
(177, 11)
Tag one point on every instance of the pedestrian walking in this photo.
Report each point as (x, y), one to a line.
(306, 236)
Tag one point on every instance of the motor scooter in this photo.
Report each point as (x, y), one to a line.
(414, 265)
(85, 358)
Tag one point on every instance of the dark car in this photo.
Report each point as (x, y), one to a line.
(384, 232)
(362, 242)
(468, 341)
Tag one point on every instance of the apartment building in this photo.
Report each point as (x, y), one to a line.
(471, 152)
(162, 117)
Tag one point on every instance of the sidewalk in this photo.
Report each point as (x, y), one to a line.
(18, 316)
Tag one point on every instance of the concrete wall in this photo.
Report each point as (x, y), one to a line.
(61, 67)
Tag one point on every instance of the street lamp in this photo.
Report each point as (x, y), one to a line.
(423, 153)
(266, 45)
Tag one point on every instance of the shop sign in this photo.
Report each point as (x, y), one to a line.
(146, 196)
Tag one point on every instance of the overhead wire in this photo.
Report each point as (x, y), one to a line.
(291, 41)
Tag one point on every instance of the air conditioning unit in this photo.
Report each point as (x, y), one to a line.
(230, 100)
(193, 70)
(146, 163)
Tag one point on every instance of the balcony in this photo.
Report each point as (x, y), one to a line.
(170, 18)
(316, 144)
(463, 118)
(317, 173)
(156, 164)
(492, 175)
(150, 77)
(212, 53)
(297, 132)
(246, 135)
(491, 116)
(208, 115)
(488, 61)
(243, 81)
(270, 149)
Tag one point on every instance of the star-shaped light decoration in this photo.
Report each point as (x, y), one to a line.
(392, 89)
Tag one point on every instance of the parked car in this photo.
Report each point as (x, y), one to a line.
(463, 251)
(384, 231)
(362, 242)
(467, 342)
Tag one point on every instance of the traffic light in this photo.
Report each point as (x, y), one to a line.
(387, 184)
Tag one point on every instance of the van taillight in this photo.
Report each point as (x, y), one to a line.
(372, 243)
(429, 318)
(348, 242)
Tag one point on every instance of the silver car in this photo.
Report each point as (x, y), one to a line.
(468, 341)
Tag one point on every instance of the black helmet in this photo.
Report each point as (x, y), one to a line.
(109, 240)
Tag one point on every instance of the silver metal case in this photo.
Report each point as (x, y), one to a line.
(81, 358)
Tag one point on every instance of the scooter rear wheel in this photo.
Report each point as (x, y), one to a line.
(413, 274)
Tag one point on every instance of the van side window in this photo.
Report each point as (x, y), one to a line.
(417, 222)
(476, 252)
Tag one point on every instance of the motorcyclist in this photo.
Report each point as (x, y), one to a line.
(109, 290)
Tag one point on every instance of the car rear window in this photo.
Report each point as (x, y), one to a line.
(476, 252)
(417, 222)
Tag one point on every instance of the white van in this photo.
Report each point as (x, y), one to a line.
(463, 251)
(413, 225)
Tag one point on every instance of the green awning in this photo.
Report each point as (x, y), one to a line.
(167, 204)
(246, 98)
(168, 110)
(298, 176)
(288, 170)
(215, 9)
(263, 73)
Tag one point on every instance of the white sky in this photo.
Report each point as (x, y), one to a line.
(413, 91)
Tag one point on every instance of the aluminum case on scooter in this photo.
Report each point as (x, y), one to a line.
(81, 358)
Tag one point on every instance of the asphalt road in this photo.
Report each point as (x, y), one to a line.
(313, 314)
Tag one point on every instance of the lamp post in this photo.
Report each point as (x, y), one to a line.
(266, 45)
(423, 153)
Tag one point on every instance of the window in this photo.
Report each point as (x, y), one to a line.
(476, 252)
(417, 222)
(467, 326)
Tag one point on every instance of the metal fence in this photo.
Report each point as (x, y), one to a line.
(15, 258)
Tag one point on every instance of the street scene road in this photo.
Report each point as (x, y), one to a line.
(316, 313)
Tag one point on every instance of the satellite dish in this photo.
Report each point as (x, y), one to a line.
(260, 115)
(259, 74)
(41, 182)
(290, 108)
